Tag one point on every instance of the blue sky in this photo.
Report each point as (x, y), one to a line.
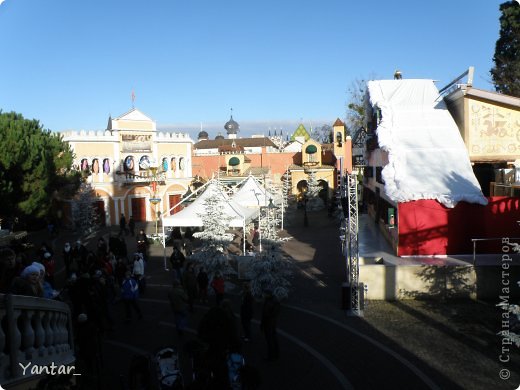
(71, 64)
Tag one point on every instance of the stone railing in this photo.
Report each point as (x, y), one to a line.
(34, 332)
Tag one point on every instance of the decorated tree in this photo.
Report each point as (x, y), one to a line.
(314, 202)
(215, 240)
(84, 213)
(270, 269)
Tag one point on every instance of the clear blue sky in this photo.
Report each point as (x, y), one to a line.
(71, 64)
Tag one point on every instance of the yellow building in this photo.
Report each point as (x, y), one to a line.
(133, 169)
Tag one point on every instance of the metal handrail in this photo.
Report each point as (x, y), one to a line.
(474, 240)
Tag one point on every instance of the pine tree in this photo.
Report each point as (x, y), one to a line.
(35, 166)
(212, 254)
(84, 212)
(506, 73)
(270, 270)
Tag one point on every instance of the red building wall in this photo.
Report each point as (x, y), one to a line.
(428, 228)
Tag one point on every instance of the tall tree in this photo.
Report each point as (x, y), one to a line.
(35, 164)
(323, 134)
(355, 115)
(506, 73)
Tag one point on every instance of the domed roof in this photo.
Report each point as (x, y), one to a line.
(219, 136)
(231, 126)
(203, 135)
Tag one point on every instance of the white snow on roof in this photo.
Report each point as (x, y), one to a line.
(427, 156)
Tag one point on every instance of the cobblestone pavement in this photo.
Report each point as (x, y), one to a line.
(394, 345)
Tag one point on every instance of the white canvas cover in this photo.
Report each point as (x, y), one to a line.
(251, 194)
(190, 216)
(426, 153)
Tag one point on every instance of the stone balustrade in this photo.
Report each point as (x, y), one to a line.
(33, 332)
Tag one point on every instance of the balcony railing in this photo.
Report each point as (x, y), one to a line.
(33, 332)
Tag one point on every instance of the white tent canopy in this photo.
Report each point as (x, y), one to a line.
(251, 194)
(427, 156)
(190, 216)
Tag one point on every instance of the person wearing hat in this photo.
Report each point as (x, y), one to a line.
(270, 312)
(28, 283)
(46, 286)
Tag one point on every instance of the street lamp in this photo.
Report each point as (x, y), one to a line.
(154, 199)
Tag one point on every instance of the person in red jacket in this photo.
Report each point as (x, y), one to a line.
(218, 286)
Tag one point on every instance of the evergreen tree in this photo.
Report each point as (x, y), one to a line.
(84, 213)
(35, 166)
(506, 73)
(213, 251)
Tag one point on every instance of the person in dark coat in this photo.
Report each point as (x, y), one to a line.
(177, 262)
(178, 302)
(189, 282)
(218, 286)
(203, 282)
(122, 225)
(131, 225)
(67, 257)
(270, 312)
(246, 311)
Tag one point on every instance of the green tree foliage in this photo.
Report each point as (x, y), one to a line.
(34, 165)
(506, 73)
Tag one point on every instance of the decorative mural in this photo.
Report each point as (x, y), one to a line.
(493, 131)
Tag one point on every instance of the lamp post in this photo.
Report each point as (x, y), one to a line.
(154, 199)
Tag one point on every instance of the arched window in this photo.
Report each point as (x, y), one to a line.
(181, 163)
(106, 165)
(84, 164)
(165, 164)
(129, 163)
(173, 164)
(144, 163)
(95, 165)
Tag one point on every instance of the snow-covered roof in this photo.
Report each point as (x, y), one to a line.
(426, 153)
(251, 194)
(190, 216)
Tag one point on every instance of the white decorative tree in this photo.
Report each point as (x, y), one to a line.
(314, 202)
(213, 252)
(84, 213)
(270, 270)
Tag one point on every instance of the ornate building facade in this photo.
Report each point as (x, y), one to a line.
(133, 169)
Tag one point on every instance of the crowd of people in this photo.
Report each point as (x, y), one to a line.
(99, 276)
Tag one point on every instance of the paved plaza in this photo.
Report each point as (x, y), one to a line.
(405, 345)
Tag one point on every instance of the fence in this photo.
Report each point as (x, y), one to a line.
(33, 332)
